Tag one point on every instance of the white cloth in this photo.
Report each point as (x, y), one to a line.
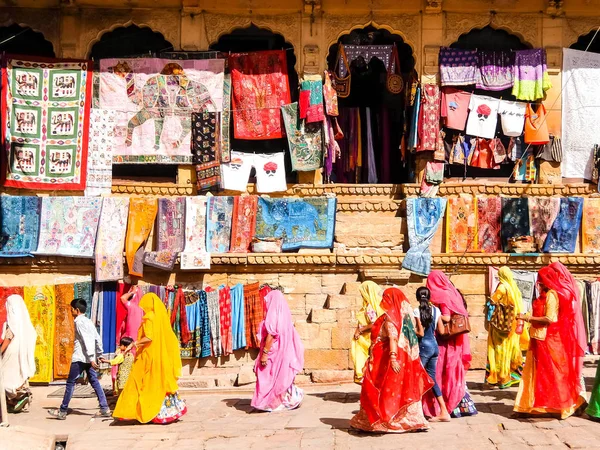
(18, 361)
(270, 172)
(483, 116)
(580, 112)
(512, 116)
(88, 344)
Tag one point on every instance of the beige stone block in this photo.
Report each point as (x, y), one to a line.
(470, 283)
(345, 317)
(302, 380)
(341, 337)
(333, 283)
(351, 288)
(371, 240)
(323, 316)
(324, 359)
(296, 303)
(314, 335)
(332, 376)
(475, 304)
(438, 244)
(343, 301)
(478, 330)
(246, 375)
(479, 353)
(316, 301)
(301, 283)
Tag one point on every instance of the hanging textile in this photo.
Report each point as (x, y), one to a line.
(170, 233)
(496, 70)
(371, 165)
(423, 215)
(330, 96)
(68, 226)
(45, 116)
(40, 304)
(243, 223)
(83, 290)
(580, 100)
(225, 320)
(198, 324)
(305, 140)
(590, 238)
(311, 100)
(254, 314)
(212, 301)
(100, 152)
(594, 318)
(6, 292)
(562, 237)
(525, 281)
(64, 331)
(515, 220)
(153, 99)
(458, 67)
(205, 150)
(260, 87)
(109, 317)
(489, 216)
(238, 330)
(542, 213)
(179, 321)
(225, 144)
(461, 224)
(219, 211)
(429, 117)
(142, 212)
(195, 229)
(19, 225)
(300, 222)
(531, 79)
(110, 240)
(413, 136)
(367, 53)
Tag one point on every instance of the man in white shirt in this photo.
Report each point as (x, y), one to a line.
(87, 349)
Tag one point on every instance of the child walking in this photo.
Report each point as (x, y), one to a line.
(124, 359)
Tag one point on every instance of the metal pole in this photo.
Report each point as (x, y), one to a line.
(3, 409)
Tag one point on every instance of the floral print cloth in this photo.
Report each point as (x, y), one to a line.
(111, 239)
(305, 140)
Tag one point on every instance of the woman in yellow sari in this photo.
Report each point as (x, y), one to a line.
(368, 314)
(504, 355)
(150, 394)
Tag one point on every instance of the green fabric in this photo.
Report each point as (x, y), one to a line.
(593, 408)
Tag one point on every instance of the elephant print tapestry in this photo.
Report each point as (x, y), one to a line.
(153, 100)
(301, 223)
(45, 117)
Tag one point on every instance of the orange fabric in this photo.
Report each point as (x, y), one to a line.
(142, 212)
(536, 128)
(64, 331)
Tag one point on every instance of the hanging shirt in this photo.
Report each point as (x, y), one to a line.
(512, 116)
(483, 116)
(455, 108)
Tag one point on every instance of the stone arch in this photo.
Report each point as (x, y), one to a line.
(577, 27)
(125, 26)
(589, 41)
(22, 39)
(514, 40)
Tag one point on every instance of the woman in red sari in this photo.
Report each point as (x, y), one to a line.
(455, 353)
(394, 379)
(551, 382)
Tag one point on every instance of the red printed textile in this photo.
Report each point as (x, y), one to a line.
(260, 87)
(243, 223)
(489, 214)
(6, 292)
(225, 320)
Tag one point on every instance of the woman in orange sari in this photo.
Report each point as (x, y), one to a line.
(551, 382)
(394, 379)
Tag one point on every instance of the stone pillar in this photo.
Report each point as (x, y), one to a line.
(70, 45)
(193, 37)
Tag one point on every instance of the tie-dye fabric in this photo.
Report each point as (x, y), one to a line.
(562, 237)
(591, 225)
(489, 218)
(515, 220)
(542, 214)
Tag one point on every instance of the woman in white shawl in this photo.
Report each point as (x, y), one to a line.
(18, 347)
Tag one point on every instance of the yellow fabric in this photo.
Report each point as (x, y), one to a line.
(156, 368)
(371, 294)
(142, 212)
(40, 304)
(118, 359)
(551, 314)
(504, 353)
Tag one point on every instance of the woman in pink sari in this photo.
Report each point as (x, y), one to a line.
(455, 353)
(281, 358)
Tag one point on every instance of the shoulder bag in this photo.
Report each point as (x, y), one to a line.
(394, 81)
(536, 128)
(341, 85)
(458, 325)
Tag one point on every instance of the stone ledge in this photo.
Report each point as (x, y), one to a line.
(508, 189)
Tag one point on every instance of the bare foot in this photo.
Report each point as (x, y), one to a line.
(440, 419)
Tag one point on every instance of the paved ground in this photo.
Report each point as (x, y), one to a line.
(225, 421)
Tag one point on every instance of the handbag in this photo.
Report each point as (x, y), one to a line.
(458, 325)
(341, 85)
(536, 128)
(500, 316)
(394, 82)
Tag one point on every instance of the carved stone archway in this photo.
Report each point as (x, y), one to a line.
(287, 25)
(45, 22)
(575, 27)
(526, 27)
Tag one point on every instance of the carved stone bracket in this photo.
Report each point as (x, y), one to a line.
(311, 59)
(575, 27)
(150, 189)
(526, 26)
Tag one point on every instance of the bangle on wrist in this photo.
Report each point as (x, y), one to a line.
(265, 351)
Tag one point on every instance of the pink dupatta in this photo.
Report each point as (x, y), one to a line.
(286, 357)
(455, 354)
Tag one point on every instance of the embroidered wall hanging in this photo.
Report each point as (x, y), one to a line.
(219, 211)
(305, 140)
(111, 239)
(19, 225)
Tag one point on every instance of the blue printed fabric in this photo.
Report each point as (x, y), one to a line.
(198, 324)
(109, 317)
(515, 220)
(562, 237)
(238, 325)
(424, 215)
(19, 225)
(219, 211)
(300, 222)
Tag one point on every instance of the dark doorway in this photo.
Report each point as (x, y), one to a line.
(589, 42)
(18, 40)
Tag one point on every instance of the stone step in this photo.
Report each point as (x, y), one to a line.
(343, 301)
(351, 288)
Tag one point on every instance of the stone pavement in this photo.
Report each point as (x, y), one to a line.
(224, 420)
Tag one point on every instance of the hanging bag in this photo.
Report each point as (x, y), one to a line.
(536, 128)
(394, 82)
(458, 325)
(341, 85)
